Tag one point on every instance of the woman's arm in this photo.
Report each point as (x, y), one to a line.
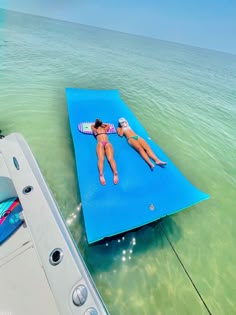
(94, 130)
(120, 131)
(106, 127)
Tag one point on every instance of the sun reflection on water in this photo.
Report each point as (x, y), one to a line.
(73, 216)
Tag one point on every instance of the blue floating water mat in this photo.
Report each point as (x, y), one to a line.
(141, 196)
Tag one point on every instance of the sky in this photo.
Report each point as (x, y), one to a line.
(203, 23)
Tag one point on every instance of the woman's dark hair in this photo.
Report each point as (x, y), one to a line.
(98, 123)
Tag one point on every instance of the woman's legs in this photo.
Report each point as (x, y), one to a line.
(110, 156)
(100, 155)
(138, 147)
(149, 152)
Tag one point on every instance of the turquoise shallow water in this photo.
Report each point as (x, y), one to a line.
(185, 97)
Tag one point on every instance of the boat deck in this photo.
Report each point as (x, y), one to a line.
(24, 289)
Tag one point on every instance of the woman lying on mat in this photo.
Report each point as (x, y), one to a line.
(104, 148)
(138, 143)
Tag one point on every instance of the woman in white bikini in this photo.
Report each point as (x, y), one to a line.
(138, 143)
(104, 148)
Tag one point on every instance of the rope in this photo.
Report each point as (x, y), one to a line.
(185, 270)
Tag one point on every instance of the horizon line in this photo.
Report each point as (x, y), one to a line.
(121, 32)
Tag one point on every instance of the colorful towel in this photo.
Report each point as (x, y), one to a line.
(10, 219)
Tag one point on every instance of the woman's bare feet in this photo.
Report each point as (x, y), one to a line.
(151, 166)
(115, 178)
(160, 163)
(102, 180)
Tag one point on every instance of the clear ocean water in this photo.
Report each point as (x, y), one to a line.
(185, 97)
